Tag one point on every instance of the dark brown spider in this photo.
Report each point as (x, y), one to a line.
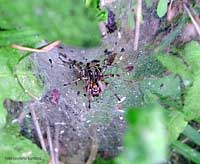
(92, 74)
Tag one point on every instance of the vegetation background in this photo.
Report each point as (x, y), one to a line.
(165, 129)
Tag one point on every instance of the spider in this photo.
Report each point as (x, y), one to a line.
(92, 74)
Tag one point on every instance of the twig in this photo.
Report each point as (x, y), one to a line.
(36, 123)
(138, 21)
(56, 143)
(170, 5)
(50, 141)
(94, 147)
(196, 25)
(44, 49)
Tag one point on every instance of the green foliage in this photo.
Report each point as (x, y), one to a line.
(191, 54)
(185, 64)
(3, 113)
(66, 20)
(175, 124)
(192, 134)
(9, 85)
(145, 130)
(192, 103)
(176, 65)
(11, 143)
(101, 14)
(184, 149)
(18, 36)
(162, 8)
(188, 152)
(102, 161)
(149, 3)
(167, 86)
(16, 149)
(149, 66)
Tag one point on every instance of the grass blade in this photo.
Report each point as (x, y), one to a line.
(186, 151)
(192, 133)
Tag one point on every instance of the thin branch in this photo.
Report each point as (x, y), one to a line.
(196, 25)
(49, 138)
(44, 49)
(94, 147)
(170, 5)
(37, 126)
(138, 21)
(56, 143)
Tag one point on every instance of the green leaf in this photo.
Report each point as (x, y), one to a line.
(3, 114)
(69, 21)
(192, 104)
(99, 160)
(175, 65)
(9, 85)
(27, 76)
(145, 130)
(16, 149)
(191, 53)
(168, 86)
(198, 119)
(23, 37)
(175, 124)
(186, 151)
(162, 7)
(192, 133)
(174, 103)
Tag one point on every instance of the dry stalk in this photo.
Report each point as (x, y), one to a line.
(138, 22)
(94, 147)
(56, 143)
(37, 126)
(44, 49)
(49, 138)
(196, 25)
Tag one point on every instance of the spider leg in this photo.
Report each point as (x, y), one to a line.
(75, 81)
(117, 97)
(111, 75)
(72, 82)
(89, 102)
